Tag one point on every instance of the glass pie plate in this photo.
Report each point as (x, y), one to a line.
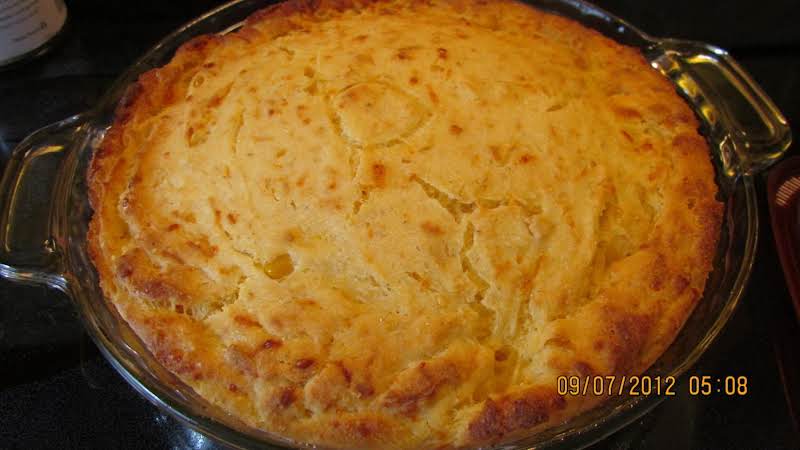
(44, 214)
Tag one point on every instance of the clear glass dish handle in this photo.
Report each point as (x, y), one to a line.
(751, 131)
(27, 250)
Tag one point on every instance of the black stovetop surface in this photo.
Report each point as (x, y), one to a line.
(56, 390)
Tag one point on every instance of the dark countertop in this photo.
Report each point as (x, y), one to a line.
(57, 391)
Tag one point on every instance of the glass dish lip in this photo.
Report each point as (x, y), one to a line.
(164, 398)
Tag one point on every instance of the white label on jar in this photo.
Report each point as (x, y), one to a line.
(27, 24)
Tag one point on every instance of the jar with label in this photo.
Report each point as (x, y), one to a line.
(27, 26)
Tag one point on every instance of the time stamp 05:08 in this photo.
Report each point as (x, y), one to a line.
(650, 385)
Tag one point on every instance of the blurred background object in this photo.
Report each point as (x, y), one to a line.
(27, 27)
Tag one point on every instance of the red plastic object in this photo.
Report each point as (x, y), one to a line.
(783, 191)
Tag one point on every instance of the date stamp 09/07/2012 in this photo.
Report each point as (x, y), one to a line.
(642, 385)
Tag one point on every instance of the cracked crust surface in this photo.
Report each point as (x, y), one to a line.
(394, 224)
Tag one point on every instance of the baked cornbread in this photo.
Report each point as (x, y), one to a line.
(394, 224)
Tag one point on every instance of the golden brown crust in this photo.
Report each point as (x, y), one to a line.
(357, 236)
